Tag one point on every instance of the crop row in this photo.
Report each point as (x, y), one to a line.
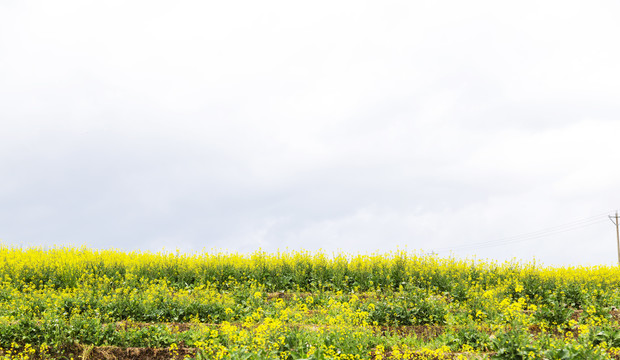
(299, 271)
(63, 303)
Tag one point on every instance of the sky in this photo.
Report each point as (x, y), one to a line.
(478, 129)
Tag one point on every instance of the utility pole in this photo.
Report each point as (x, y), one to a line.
(615, 221)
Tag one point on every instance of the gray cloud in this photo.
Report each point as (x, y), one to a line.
(351, 126)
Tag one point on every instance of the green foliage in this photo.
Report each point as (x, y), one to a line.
(469, 337)
(410, 307)
(294, 306)
(607, 335)
(513, 345)
(553, 313)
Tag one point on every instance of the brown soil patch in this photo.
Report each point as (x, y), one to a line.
(444, 356)
(425, 332)
(537, 330)
(279, 295)
(118, 353)
(180, 327)
(84, 352)
(576, 315)
(109, 353)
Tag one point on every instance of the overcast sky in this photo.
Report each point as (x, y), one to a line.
(355, 126)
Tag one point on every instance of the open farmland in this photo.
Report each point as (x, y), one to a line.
(80, 303)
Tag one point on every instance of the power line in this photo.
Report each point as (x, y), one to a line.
(554, 230)
(538, 234)
(521, 239)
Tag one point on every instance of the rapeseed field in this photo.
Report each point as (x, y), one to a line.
(80, 303)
